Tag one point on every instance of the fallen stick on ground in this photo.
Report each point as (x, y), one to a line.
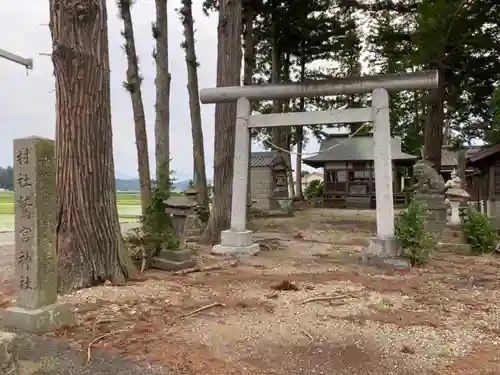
(266, 246)
(89, 348)
(216, 304)
(325, 298)
(307, 334)
(232, 263)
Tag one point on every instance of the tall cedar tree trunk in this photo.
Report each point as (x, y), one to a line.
(299, 130)
(228, 74)
(433, 130)
(162, 106)
(248, 68)
(90, 246)
(133, 85)
(200, 174)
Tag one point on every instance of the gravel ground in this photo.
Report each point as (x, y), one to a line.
(59, 358)
(305, 306)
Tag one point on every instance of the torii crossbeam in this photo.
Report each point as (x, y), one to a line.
(28, 63)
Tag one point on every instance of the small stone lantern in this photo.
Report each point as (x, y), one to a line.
(455, 195)
(179, 207)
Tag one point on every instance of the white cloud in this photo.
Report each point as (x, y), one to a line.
(27, 102)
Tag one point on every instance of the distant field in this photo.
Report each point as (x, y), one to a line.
(124, 198)
(128, 203)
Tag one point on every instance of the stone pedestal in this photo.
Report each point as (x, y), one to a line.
(36, 308)
(238, 243)
(44, 319)
(437, 211)
(174, 260)
(385, 253)
(9, 364)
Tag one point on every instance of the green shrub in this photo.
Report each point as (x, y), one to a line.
(411, 232)
(156, 231)
(315, 189)
(157, 224)
(479, 232)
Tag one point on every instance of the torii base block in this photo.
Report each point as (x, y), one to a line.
(237, 243)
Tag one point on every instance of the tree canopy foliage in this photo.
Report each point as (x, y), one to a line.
(459, 38)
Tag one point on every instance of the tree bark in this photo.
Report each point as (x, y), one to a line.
(162, 106)
(433, 130)
(133, 85)
(228, 74)
(200, 174)
(90, 247)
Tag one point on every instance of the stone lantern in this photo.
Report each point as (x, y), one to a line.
(179, 207)
(455, 195)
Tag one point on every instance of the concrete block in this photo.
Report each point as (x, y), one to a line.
(238, 239)
(45, 319)
(385, 253)
(239, 243)
(239, 251)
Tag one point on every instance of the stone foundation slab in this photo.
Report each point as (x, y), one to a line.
(172, 265)
(385, 253)
(238, 243)
(44, 319)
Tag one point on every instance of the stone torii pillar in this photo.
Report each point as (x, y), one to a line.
(238, 240)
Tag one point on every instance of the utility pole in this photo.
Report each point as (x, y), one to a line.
(28, 63)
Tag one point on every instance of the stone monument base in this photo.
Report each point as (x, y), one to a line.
(385, 252)
(174, 260)
(44, 319)
(238, 243)
(9, 365)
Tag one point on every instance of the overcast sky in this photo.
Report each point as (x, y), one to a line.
(27, 101)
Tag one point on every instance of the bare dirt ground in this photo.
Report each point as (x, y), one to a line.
(304, 305)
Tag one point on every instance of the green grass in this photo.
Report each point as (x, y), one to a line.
(124, 198)
(129, 205)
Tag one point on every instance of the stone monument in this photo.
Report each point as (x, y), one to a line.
(36, 308)
(455, 196)
(430, 189)
(179, 207)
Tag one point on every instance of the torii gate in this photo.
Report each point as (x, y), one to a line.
(28, 63)
(238, 240)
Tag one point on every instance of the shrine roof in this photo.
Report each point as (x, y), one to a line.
(266, 159)
(341, 147)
